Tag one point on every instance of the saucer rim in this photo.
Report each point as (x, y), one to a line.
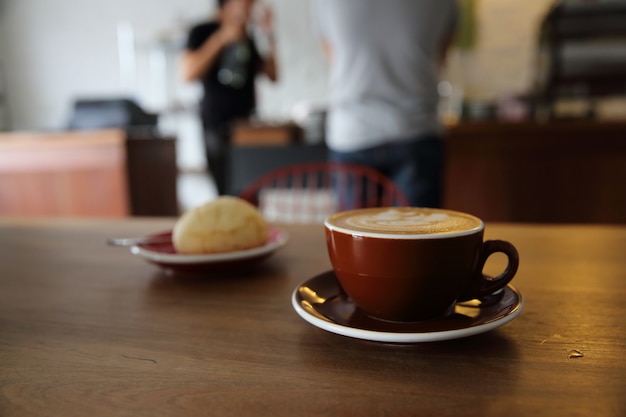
(395, 337)
(279, 241)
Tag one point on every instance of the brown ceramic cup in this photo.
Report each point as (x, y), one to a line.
(410, 264)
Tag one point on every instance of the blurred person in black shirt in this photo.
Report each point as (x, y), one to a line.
(224, 57)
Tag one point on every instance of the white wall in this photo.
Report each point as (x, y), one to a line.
(55, 50)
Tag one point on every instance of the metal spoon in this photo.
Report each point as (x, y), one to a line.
(132, 241)
(311, 296)
(312, 302)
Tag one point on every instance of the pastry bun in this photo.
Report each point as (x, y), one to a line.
(222, 225)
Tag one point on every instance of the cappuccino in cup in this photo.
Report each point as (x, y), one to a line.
(406, 221)
(409, 264)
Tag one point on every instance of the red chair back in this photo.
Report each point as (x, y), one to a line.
(310, 192)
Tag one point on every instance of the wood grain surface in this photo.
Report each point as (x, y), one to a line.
(538, 172)
(80, 173)
(90, 330)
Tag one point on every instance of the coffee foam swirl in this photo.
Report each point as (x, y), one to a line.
(406, 220)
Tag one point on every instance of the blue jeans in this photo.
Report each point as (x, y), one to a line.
(415, 166)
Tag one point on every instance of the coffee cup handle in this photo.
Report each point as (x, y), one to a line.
(483, 285)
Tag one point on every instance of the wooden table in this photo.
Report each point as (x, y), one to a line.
(89, 330)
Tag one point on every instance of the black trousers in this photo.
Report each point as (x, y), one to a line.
(217, 149)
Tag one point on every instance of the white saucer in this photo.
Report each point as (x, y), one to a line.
(164, 254)
(321, 302)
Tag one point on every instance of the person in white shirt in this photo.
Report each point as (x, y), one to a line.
(384, 61)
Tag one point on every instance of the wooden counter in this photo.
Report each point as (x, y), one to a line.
(63, 174)
(532, 172)
(104, 173)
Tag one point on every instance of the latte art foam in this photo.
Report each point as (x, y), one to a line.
(405, 220)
